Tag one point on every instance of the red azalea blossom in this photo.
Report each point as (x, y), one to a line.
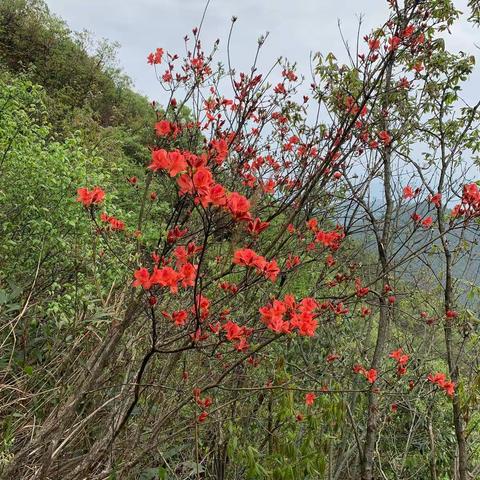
(163, 128)
(418, 67)
(166, 277)
(332, 357)
(385, 137)
(399, 356)
(239, 206)
(435, 199)
(156, 57)
(255, 227)
(113, 222)
(440, 379)
(408, 192)
(393, 43)
(371, 375)
(90, 197)
(248, 258)
(202, 417)
(427, 222)
(142, 278)
(173, 162)
(365, 311)
(373, 44)
(357, 368)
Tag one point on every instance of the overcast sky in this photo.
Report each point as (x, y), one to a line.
(296, 28)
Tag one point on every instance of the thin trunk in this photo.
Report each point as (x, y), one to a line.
(433, 455)
(453, 365)
(384, 313)
(448, 305)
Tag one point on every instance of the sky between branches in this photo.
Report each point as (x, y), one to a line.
(296, 30)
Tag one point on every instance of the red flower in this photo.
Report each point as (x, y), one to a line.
(88, 198)
(361, 291)
(330, 239)
(202, 178)
(271, 270)
(305, 322)
(385, 137)
(408, 31)
(330, 261)
(173, 162)
(152, 300)
(312, 224)
(373, 44)
(439, 379)
(404, 83)
(163, 128)
(365, 311)
(202, 417)
(255, 227)
(357, 368)
(221, 150)
(188, 273)
(175, 234)
(239, 206)
(142, 278)
(427, 222)
(233, 330)
(292, 261)
(449, 388)
(180, 317)
(290, 74)
(418, 67)
(280, 88)
(393, 43)
(115, 224)
(371, 375)
(399, 356)
(217, 195)
(310, 398)
(331, 357)
(245, 256)
(408, 192)
(155, 58)
(177, 163)
(166, 277)
(185, 183)
(160, 160)
(435, 199)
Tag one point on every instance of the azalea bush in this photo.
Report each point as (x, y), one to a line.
(266, 279)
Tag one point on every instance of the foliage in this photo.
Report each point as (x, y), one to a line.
(225, 288)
